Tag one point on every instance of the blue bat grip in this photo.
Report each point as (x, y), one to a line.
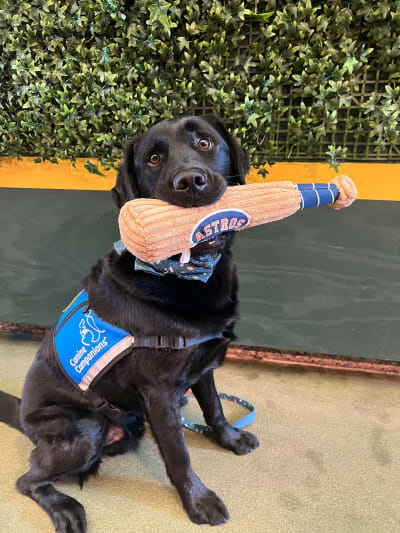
(315, 194)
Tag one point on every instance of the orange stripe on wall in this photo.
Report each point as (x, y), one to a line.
(63, 175)
(375, 181)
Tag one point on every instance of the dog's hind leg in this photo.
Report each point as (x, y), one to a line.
(60, 459)
(67, 514)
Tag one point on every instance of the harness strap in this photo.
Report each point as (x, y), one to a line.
(112, 411)
(103, 406)
(175, 343)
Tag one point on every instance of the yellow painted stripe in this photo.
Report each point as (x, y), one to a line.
(375, 181)
(30, 175)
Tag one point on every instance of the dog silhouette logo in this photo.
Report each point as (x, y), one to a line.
(88, 329)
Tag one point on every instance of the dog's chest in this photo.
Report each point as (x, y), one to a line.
(147, 371)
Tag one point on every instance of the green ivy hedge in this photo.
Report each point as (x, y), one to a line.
(78, 78)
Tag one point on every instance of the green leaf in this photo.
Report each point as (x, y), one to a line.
(105, 57)
(263, 172)
(350, 64)
(260, 17)
(93, 168)
(159, 13)
(252, 119)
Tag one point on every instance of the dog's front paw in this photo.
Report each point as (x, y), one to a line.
(206, 508)
(239, 441)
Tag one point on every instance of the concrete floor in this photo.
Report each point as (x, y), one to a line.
(328, 460)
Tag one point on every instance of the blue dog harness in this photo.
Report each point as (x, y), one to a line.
(87, 346)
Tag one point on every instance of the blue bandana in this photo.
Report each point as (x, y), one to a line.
(199, 268)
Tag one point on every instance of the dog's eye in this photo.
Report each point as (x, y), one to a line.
(154, 159)
(204, 143)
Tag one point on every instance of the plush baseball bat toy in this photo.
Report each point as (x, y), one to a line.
(153, 230)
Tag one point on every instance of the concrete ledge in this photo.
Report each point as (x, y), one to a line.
(260, 354)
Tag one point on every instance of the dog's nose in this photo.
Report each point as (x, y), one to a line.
(190, 181)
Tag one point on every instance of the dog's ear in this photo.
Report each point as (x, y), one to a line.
(126, 187)
(239, 161)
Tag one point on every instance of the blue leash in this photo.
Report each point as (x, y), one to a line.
(241, 423)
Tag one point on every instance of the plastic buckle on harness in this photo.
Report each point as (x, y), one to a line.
(176, 343)
(102, 405)
(179, 342)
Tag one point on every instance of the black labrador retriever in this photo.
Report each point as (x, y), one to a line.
(189, 162)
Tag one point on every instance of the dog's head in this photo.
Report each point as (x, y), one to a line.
(187, 162)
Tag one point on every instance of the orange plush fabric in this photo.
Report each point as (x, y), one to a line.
(347, 189)
(153, 230)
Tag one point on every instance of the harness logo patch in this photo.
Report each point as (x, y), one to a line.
(219, 222)
(88, 328)
(83, 357)
(83, 340)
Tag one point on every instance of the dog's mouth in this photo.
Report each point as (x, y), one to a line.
(211, 246)
(212, 243)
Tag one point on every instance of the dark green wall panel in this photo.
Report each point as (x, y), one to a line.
(324, 281)
(321, 280)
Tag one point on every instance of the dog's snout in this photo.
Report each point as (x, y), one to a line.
(190, 181)
(191, 187)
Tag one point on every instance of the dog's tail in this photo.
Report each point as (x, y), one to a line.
(9, 410)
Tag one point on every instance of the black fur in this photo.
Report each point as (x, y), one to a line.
(70, 436)
(9, 410)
